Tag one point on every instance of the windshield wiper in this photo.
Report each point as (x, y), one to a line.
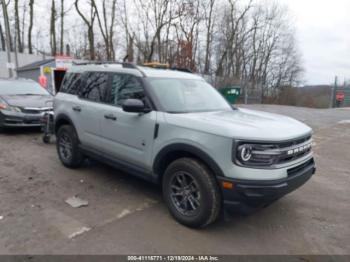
(177, 112)
(29, 94)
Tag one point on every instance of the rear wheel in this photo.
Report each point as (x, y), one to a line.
(191, 193)
(68, 147)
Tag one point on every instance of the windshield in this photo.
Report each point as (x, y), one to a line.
(187, 95)
(21, 88)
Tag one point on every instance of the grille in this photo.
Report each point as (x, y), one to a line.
(294, 171)
(27, 110)
(300, 147)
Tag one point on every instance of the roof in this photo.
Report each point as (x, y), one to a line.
(168, 73)
(140, 71)
(35, 65)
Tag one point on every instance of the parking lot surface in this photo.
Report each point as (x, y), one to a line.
(126, 215)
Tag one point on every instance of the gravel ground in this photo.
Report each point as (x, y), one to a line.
(127, 216)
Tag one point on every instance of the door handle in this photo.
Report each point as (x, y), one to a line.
(111, 117)
(76, 108)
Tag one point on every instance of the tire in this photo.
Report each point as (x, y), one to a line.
(197, 204)
(46, 139)
(2, 128)
(67, 145)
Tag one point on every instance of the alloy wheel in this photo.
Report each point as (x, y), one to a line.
(185, 193)
(65, 147)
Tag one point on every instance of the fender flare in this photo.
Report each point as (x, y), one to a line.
(62, 117)
(193, 150)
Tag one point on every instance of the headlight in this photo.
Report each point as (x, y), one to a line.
(15, 109)
(264, 155)
(2, 106)
(255, 155)
(245, 153)
(9, 108)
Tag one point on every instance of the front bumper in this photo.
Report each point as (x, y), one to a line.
(254, 194)
(16, 119)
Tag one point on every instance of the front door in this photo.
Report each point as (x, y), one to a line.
(128, 136)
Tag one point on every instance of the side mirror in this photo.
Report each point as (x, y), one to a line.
(135, 106)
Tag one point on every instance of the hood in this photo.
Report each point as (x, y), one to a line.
(243, 124)
(36, 101)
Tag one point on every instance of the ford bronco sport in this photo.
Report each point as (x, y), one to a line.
(173, 128)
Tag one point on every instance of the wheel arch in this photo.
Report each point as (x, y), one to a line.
(61, 120)
(179, 150)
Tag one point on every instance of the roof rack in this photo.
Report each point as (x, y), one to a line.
(181, 69)
(99, 63)
(124, 64)
(158, 65)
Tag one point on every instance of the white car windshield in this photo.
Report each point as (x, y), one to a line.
(187, 95)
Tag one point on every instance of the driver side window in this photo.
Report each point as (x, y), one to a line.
(125, 87)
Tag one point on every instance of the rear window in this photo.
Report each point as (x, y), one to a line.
(71, 83)
(94, 87)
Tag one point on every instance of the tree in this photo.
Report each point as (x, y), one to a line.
(18, 28)
(7, 24)
(23, 22)
(187, 38)
(30, 28)
(2, 39)
(62, 28)
(232, 38)
(53, 42)
(89, 22)
(209, 24)
(107, 27)
(243, 42)
(153, 16)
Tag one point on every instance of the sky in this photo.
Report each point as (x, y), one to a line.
(323, 35)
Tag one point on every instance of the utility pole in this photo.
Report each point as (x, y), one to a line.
(7, 32)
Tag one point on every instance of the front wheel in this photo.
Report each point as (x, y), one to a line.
(191, 193)
(46, 139)
(68, 147)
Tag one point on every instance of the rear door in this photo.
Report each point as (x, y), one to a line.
(127, 136)
(89, 108)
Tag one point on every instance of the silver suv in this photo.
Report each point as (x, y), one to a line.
(174, 129)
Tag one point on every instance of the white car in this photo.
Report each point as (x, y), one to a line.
(174, 129)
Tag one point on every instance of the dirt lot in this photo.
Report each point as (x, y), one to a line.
(127, 216)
